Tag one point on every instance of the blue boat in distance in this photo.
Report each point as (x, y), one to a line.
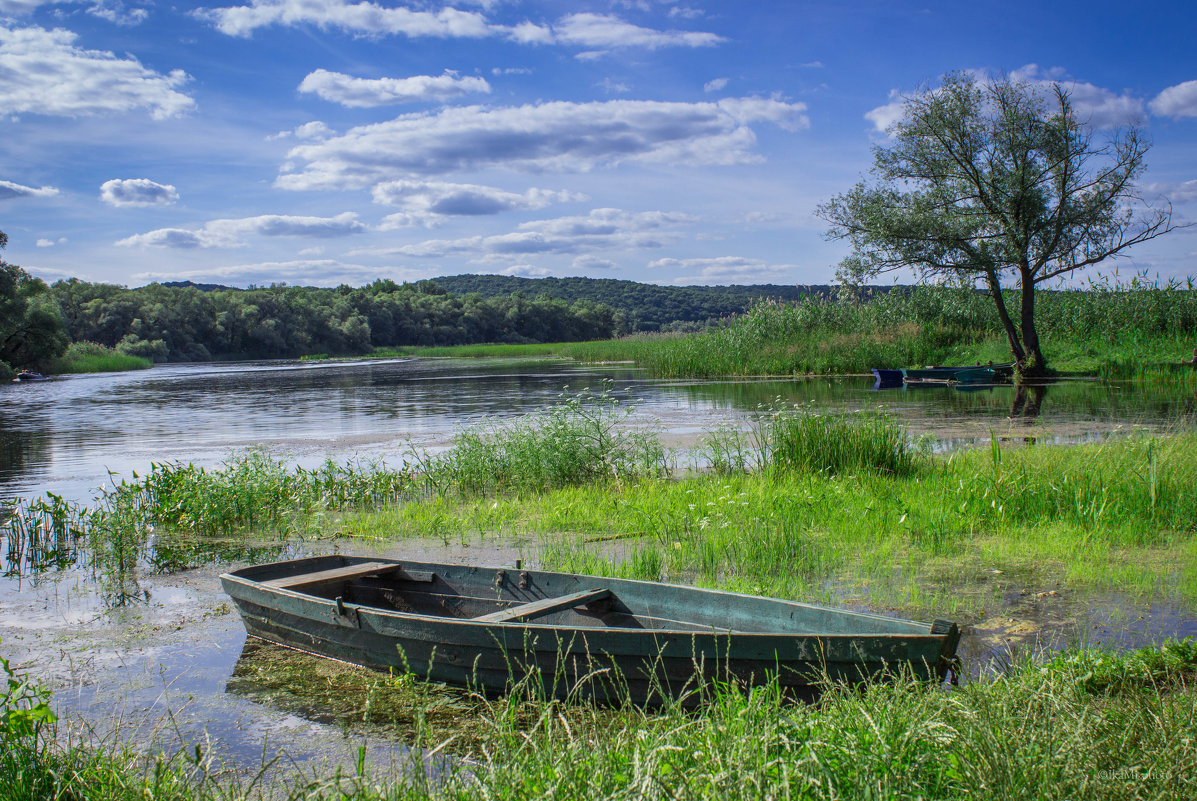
(887, 378)
(970, 374)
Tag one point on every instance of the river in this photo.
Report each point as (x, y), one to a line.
(73, 434)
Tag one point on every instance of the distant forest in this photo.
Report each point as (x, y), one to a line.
(646, 307)
(184, 322)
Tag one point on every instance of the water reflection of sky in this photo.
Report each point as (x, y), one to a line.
(66, 435)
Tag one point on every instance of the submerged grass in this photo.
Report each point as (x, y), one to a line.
(1041, 729)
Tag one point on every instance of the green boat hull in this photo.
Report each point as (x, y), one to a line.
(974, 374)
(489, 628)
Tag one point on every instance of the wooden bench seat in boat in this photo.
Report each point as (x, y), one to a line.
(343, 574)
(543, 606)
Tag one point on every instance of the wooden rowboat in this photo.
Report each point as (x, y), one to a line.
(601, 638)
(972, 374)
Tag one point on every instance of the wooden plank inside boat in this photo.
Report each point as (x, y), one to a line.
(334, 574)
(544, 606)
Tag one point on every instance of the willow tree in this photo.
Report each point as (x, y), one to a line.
(998, 182)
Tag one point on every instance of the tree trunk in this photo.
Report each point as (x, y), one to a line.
(995, 291)
(1036, 364)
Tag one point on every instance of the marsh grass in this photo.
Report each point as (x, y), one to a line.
(839, 443)
(92, 357)
(1054, 727)
(1113, 329)
(1119, 516)
(583, 439)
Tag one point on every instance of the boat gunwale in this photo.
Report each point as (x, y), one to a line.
(923, 632)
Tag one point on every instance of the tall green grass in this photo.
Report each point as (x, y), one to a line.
(583, 439)
(1080, 725)
(1110, 329)
(839, 443)
(1117, 516)
(92, 357)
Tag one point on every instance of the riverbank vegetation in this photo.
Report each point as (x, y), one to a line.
(645, 307)
(31, 332)
(1138, 329)
(804, 505)
(186, 323)
(92, 357)
(1082, 724)
(1135, 330)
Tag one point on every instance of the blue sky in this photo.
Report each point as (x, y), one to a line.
(321, 142)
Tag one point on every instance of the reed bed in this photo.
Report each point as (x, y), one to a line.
(583, 439)
(92, 357)
(1135, 329)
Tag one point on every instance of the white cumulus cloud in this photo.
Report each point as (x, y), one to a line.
(10, 190)
(1182, 192)
(45, 73)
(115, 11)
(1099, 107)
(137, 192)
(365, 18)
(601, 229)
(428, 202)
(232, 233)
(546, 137)
(597, 32)
(370, 92)
(726, 270)
(592, 263)
(309, 131)
(526, 271)
(605, 32)
(1092, 104)
(1176, 101)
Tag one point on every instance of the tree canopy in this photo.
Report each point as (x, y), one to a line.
(31, 331)
(187, 323)
(996, 181)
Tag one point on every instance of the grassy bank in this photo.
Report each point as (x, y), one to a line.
(1135, 330)
(1118, 517)
(91, 357)
(1083, 724)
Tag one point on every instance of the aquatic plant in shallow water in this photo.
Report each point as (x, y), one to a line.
(838, 443)
(583, 439)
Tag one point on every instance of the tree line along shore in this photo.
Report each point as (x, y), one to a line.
(1109, 329)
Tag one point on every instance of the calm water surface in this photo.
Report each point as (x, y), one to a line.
(69, 435)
